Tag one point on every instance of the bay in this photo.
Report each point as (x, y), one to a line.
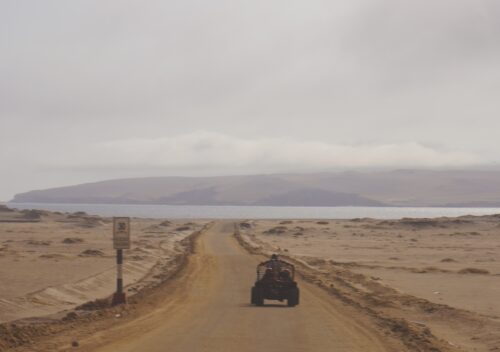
(255, 212)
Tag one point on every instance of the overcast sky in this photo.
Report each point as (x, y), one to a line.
(98, 89)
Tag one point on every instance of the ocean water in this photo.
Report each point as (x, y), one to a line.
(255, 212)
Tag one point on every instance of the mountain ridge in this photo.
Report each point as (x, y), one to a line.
(461, 188)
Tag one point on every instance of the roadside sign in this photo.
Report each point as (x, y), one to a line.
(121, 233)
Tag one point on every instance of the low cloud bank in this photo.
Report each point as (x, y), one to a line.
(205, 150)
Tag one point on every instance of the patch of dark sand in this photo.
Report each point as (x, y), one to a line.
(77, 214)
(6, 209)
(245, 225)
(38, 243)
(473, 271)
(72, 240)
(33, 214)
(426, 222)
(136, 258)
(276, 230)
(91, 253)
(52, 256)
(97, 304)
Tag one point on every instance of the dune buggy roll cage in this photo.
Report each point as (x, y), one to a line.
(276, 266)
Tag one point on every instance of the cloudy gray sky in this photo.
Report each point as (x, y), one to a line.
(97, 89)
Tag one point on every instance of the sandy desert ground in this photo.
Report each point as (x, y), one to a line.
(424, 285)
(51, 261)
(205, 307)
(441, 273)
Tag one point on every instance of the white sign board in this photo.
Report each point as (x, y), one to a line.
(121, 233)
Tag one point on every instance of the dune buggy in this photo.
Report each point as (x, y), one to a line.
(275, 280)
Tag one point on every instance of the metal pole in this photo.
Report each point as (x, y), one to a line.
(119, 276)
(119, 296)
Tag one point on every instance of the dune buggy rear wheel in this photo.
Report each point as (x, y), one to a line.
(257, 296)
(293, 297)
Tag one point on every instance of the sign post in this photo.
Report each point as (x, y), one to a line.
(121, 241)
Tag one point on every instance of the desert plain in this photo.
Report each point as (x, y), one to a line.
(51, 262)
(439, 273)
(367, 284)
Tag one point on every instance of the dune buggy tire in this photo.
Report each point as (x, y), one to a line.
(293, 297)
(257, 296)
(253, 295)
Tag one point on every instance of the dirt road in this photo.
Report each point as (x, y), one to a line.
(207, 309)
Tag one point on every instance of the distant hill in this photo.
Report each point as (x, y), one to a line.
(393, 188)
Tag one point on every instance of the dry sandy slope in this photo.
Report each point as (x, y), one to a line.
(443, 274)
(53, 262)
